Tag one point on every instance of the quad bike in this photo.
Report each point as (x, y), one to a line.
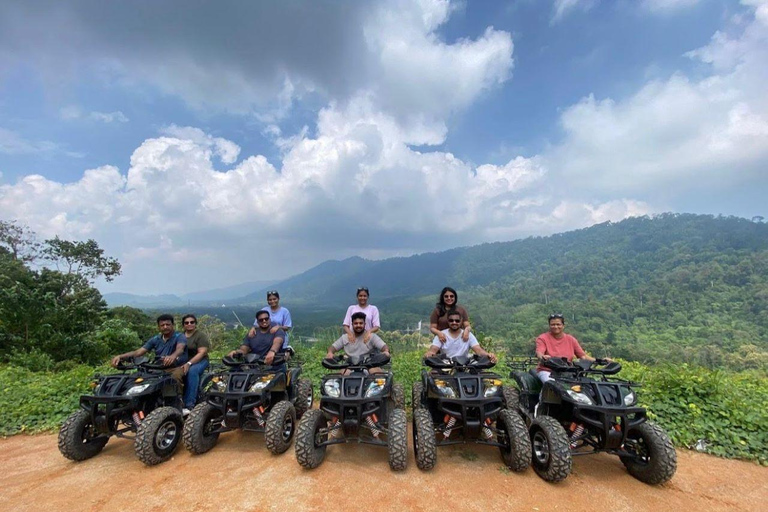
(248, 394)
(584, 409)
(356, 405)
(142, 402)
(458, 401)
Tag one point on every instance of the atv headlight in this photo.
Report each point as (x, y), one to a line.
(375, 387)
(332, 388)
(630, 398)
(262, 383)
(492, 387)
(219, 383)
(581, 398)
(445, 389)
(135, 390)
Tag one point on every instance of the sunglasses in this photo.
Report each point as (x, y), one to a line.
(189, 322)
(454, 321)
(556, 315)
(363, 289)
(272, 292)
(263, 319)
(449, 296)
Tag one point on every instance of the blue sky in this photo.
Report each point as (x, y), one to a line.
(205, 145)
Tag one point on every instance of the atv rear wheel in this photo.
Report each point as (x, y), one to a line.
(158, 435)
(281, 426)
(198, 436)
(397, 441)
(309, 450)
(551, 453)
(511, 397)
(655, 459)
(516, 452)
(78, 439)
(304, 398)
(416, 395)
(397, 396)
(424, 445)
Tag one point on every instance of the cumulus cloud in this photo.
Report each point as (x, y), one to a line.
(677, 130)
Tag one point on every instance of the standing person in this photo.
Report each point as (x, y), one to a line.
(454, 345)
(265, 343)
(169, 345)
(198, 346)
(556, 343)
(438, 320)
(371, 312)
(279, 317)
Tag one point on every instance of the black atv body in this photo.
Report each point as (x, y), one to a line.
(459, 401)
(584, 409)
(142, 402)
(355, 406)
(246, 393)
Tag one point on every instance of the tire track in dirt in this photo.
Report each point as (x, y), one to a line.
(240, 474)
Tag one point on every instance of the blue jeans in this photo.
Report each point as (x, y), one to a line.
(193, 381)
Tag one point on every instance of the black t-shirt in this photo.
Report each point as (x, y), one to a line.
(262, 342)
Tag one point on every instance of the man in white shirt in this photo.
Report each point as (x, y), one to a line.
(454, 345)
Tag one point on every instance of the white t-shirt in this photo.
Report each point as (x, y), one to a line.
(454, 347)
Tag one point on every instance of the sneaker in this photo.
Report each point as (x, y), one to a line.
(185, 411)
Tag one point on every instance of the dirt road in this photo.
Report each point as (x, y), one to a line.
(239, 474)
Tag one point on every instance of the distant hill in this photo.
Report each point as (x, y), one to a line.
(205, 297)
(142, 301)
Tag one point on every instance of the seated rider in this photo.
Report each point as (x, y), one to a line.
(359, 346)
(265, 343)
(556, 343)
(169, 345)
(454, 344)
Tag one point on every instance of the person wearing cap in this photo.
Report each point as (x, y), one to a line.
(556, 343)
(371, 312)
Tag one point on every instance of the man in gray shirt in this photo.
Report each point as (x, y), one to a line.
(359, 347)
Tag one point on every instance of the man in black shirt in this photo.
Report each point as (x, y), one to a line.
(265, 344)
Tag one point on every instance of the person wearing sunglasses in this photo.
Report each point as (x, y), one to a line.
(438, 320)
(358, 346)
(198, 346)
(556, 343)
(453, 344)
(264, 343)
(371, 312)
(279, 317)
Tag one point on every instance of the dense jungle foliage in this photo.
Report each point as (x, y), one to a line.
(684, 297)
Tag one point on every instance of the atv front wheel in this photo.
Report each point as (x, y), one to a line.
(397, 441)
(304, 397)
(511, 397)
(516, 452)
(158, 435)
(397, 396)
(310, 451)
(551, 453)
(200, 426)
(78, 439)
(424, 447)
(416, 395)
(281, 425)
(654, 460)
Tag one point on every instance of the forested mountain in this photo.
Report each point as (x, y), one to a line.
(690, 287)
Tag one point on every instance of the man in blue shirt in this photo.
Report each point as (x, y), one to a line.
(169, 345)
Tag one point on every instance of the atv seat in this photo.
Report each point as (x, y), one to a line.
(528, 381)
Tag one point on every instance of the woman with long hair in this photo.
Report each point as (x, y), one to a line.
(438, 320)
(371, 312)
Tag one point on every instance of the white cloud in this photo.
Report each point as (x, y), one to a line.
(11, 143)
(678, 130)
(666, 6)
(562, 8)
(225, 149)
(71, 112)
